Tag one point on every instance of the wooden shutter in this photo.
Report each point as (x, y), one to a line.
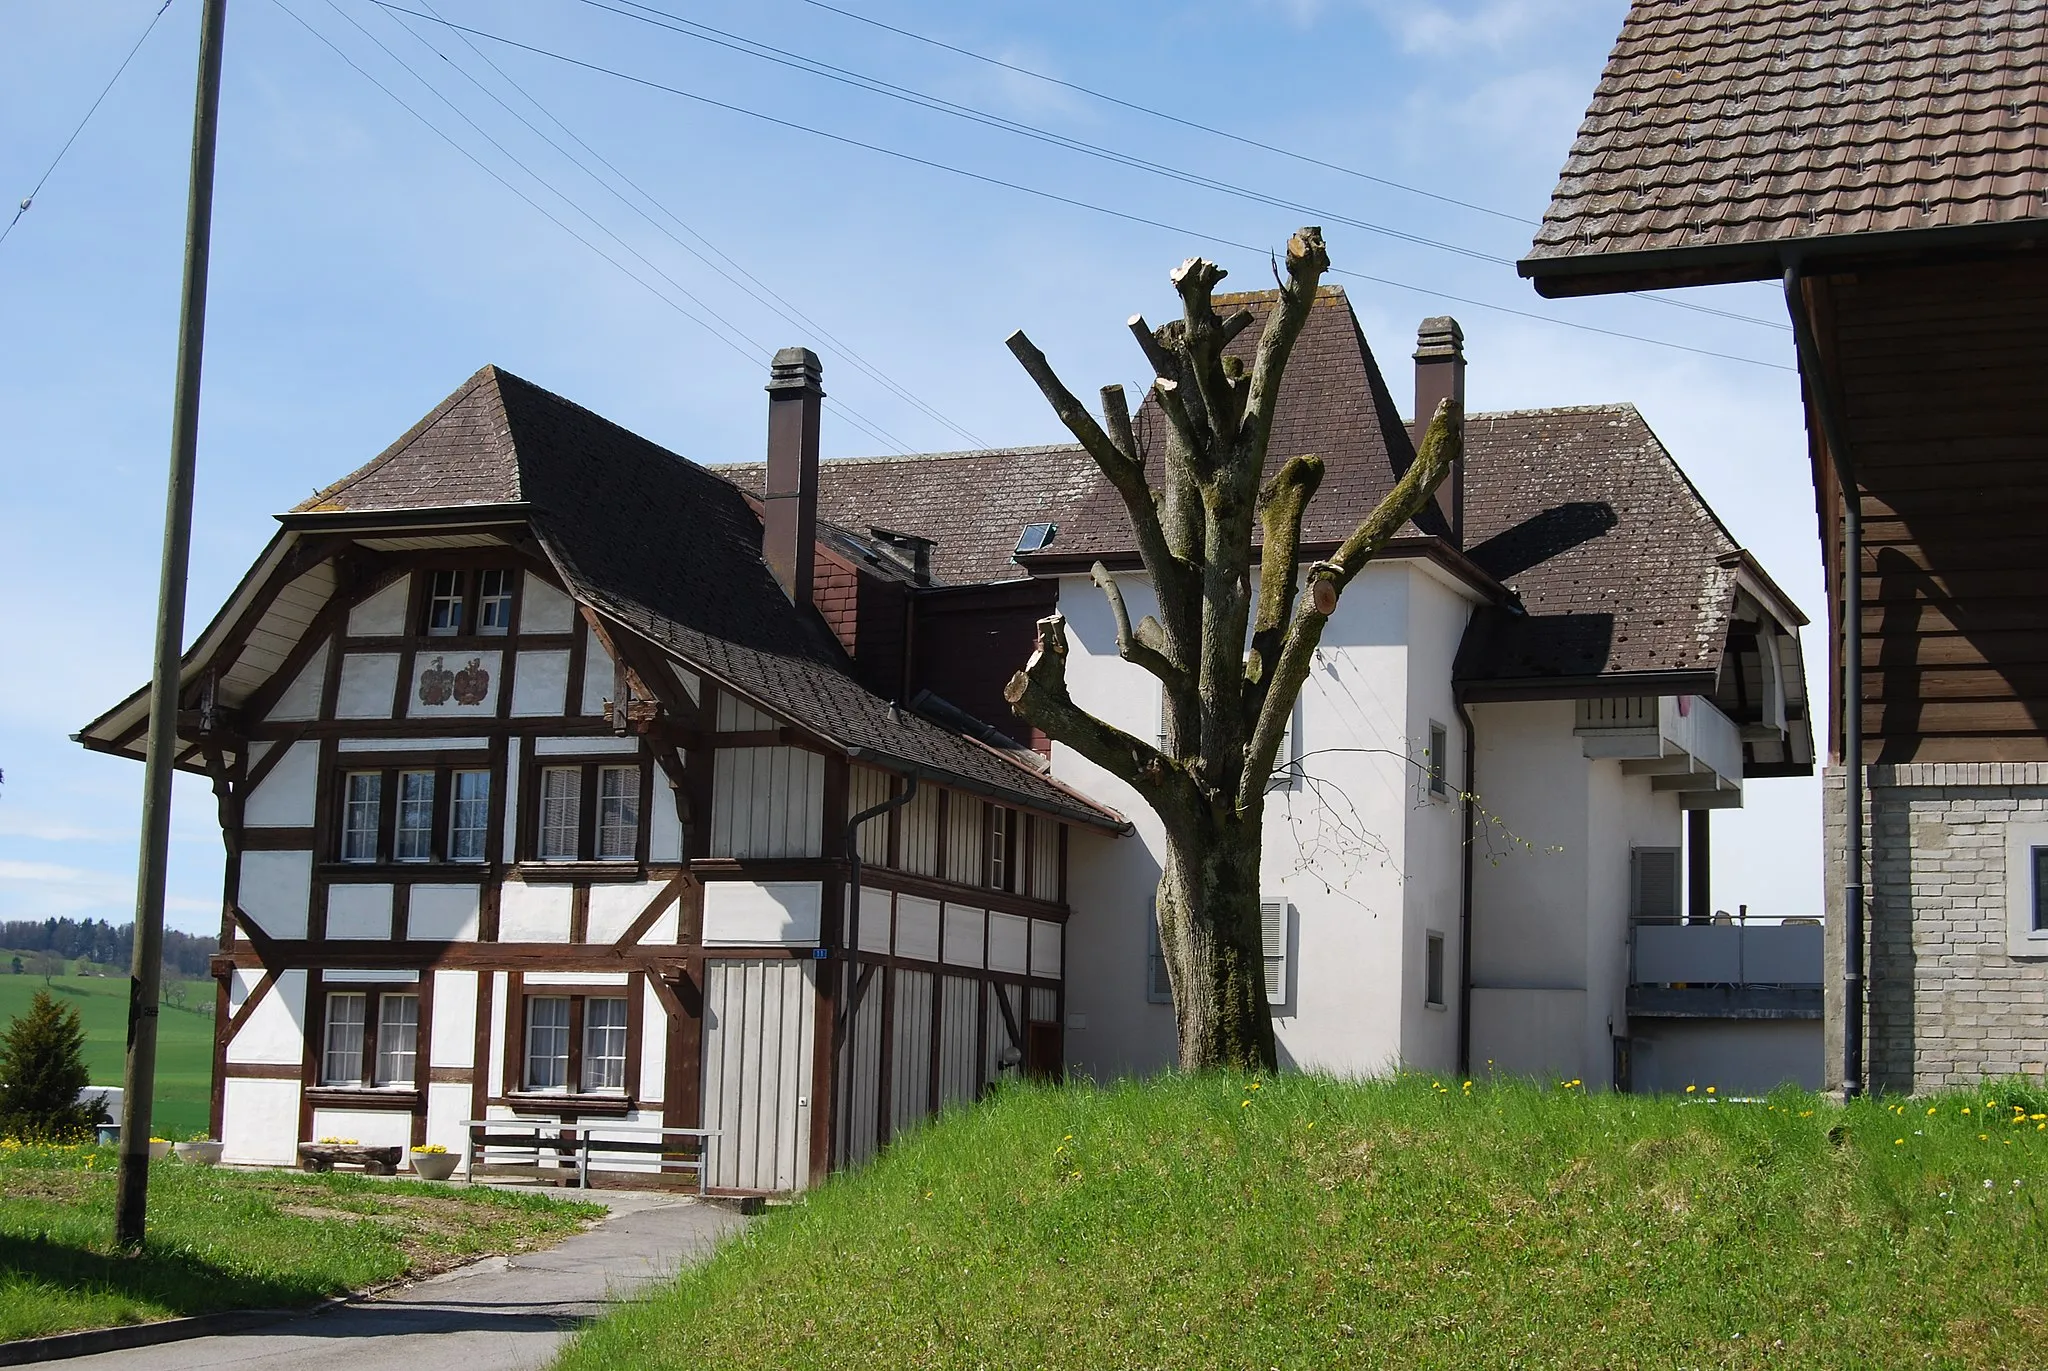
(1273, 928)
(1653, 884)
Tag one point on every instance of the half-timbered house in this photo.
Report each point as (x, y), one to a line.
(546, 786)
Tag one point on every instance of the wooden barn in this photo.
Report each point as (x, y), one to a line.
(548, 765)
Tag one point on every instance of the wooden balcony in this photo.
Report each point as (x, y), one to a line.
(1681, 742)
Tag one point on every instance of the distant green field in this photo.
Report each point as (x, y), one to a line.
(184, 1060)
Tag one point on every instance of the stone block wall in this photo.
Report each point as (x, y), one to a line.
(1947, 1001)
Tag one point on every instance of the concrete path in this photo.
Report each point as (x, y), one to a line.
(501, 1314)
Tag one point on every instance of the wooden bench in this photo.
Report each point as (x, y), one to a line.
(378, 1161)
(567, 1146)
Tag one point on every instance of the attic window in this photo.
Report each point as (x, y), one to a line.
(1036, 538)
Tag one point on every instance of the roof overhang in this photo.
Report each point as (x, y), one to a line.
(1607, 685)
(1437, 551)
(437, 517)
(1714, 264)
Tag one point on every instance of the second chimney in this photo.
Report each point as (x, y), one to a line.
(1439, 376)
(789, 505)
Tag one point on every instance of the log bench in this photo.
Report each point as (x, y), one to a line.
(378, 1161)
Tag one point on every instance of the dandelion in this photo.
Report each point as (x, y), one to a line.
(1930, 1110)
(1244, 1104)
(1966, 1109)
(1983, 1137)
(1710, 1090)
(1898, 1142)
(1689, 1089)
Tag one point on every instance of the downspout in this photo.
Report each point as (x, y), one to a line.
(1466, 801)
(1852, 679)
(853, 827)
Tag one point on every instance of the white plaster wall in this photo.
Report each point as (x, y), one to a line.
(876, 920)
(370, 1127)
(597, 674)
(359, 911)
(1540, 1034)
(260, 1122)
(1625, 813)
(1009, 942)
(917, 928)
(511, 830)
(966, 940)
(453, 1040)
(443, 913)
(447, 1110)
(654, 1030)
(1433, 850)
(762, 913)
(530, 913)
(541, 685)
(381, 615)
(1336, 846)
(301, 699)
(664, 825)
(275, 1032)
(1045, 948)
(614, 907)
(275, 889)
(501, 985)
(368, 682)
(284, 797)
(544, 609)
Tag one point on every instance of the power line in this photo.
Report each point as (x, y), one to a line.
(759, 290)
(753, 359)
(1238, 138)
(30, 199)
(1052, 196)
(796, 61)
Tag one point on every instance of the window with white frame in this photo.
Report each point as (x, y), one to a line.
(434, 813)
(561, 813)
(341, 1062)
(494, 602)
(547, 1042)
(469, 816)
(995, 846)
(444, 604)
(618, 813)
(398, 1035)
(604, 1044)
(2041, 889)
(412, 839)
(362, 810)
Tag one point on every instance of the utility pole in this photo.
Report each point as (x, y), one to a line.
(138, 1082)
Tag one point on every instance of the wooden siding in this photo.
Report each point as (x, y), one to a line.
(767, 802)
(737, 716)
(919, 849)
(910, 1097)
(959, 1035)
(860, 1077)
(1043, 867)
(1938, 374)
(759, 1020)
(866, 788)
(966, 825)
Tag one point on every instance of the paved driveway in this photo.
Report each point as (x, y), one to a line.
(501, 1314)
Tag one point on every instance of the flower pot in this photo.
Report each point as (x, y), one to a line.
(434, 1166)
(159, 1148)
(202, 1152)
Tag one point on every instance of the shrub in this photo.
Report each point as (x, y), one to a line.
(42, 1071)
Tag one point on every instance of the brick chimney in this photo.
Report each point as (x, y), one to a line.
(1439, 376)
(789, 514)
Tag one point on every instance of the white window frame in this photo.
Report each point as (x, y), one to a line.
(412, 831)
(469, 842)
(550, 827)
(604, 1070)
(996, 846)
(1436, 764)
(354, 808)
(494, 602)
(618, 815)
(350, 1050)
(2026, 901)
(444, 604)
(398, 1039)
(527, 1075)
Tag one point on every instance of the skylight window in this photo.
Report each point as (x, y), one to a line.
(1036, 537)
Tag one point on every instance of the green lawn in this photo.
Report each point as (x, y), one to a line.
(184, 1054)
(233, 1239)
(1300, 1222)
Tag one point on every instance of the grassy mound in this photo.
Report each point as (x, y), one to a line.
(184, 1050)
(1302, 1222)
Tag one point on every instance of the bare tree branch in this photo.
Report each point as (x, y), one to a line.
(1039, 695)
(1116, 414)
(1163, 362)
(1441, 446)
(1282, 504)
(1133, 647)
(1307, 260)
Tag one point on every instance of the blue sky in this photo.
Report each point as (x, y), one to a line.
(363, 268)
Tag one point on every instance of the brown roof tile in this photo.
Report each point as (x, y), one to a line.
(1722, 123)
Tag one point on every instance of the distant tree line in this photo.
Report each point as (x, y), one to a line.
(96, 940)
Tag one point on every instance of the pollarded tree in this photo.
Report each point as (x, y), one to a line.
(1229, 669)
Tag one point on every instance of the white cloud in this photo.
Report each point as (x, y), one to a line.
(1451, 29)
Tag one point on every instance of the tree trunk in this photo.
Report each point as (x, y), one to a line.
(1211, 935)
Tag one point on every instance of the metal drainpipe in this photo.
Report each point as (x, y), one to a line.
(1852, 680)
(853, 826)
(1465, 803)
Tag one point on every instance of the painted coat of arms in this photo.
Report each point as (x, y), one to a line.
(468, 686)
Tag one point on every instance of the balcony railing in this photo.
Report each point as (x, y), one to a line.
(1682, 742)
(1727, 954)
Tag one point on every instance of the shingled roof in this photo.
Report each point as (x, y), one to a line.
(674, 552)
(1723, 131)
